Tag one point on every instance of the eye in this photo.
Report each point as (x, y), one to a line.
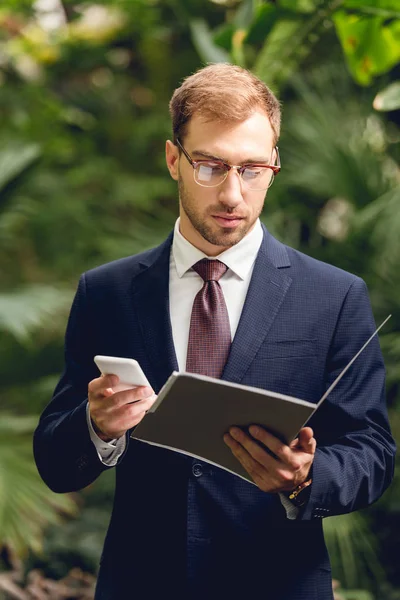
(213, 165)
(252, 172)
(208, 170)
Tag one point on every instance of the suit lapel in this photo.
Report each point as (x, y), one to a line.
(151, 303)
(268, 287)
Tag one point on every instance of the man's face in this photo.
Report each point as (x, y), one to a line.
(214, 219)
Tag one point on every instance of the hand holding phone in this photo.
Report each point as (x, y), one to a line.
(113, 415)
(127, 370)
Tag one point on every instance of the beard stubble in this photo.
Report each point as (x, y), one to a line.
(224, 238)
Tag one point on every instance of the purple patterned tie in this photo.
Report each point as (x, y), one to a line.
(209, 334)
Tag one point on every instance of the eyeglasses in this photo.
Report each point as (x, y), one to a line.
(211, 173)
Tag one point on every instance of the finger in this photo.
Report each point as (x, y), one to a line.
(257, 472)
(114, 421)
(106, 403)
(278, 449)
(141, 406)
(241, 453)
(133, 395)
(259, 452)
(268, 473)
(305, 442)
(306, 434)
(131, 414)
(100, 384)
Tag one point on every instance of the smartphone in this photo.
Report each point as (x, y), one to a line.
(127, 369)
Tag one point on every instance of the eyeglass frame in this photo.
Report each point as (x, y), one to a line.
(239, 168)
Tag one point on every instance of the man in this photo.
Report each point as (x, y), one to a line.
(182, 528)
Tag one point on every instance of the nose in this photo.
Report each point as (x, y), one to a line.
(231, 190)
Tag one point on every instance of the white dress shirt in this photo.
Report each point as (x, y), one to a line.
(184, 283)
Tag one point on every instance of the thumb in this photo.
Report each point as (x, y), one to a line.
(306, 440)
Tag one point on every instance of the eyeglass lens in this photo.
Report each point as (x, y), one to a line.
(210, 175)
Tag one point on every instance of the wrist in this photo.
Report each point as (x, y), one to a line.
(300, 494)
(103, 436)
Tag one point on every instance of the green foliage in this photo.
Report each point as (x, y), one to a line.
(26, 505)
(83, 181)
(353, 551)
(78, 542)
(389, 98)
(23, 311)
(388, 8)
(371, 44)
(203, 41)
(355, 595)
(15, 159)
(275, 38)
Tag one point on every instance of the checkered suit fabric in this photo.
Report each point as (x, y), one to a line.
(209, 334)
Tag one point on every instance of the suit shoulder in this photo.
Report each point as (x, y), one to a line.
(314, 269)
(305, 269)
(124, 268)
(127, 264)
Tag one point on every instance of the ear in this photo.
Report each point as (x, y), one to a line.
(172, 159)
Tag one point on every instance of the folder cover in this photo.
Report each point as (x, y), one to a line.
(192, 413)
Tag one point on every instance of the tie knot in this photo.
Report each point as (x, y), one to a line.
(210, 270)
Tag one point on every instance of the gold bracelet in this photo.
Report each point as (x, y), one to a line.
(294, 493)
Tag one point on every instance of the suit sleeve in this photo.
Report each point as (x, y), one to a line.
(354, 461)
(65, 455)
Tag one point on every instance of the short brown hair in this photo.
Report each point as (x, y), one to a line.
(222, 92)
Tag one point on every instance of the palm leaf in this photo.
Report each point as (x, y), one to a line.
(384, 215)
(15, 159)
(204, 43)
(27, 506)
(352, 549)
(353, 166)
(290, 42)
(32, 307)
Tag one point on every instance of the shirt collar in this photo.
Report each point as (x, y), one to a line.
(239, 258)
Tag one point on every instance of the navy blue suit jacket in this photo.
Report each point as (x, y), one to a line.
(204, 533)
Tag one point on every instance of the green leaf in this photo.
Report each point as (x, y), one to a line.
(386, 4)
(383, 8)
(389, 98)
(204, 43)
(15, 159)
(299, 6)
(27, 506)
(223, 36)
(384, 215)
(371, 47)
(355, 595)
(353, 551)
(17, 424)
(290, 42)
(35, 306)
(245, 14)
(264, 19)
(282, 52)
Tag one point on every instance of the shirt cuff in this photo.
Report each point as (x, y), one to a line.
(292, 511)
(108, 452)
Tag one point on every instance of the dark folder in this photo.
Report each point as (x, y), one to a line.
(192, 413)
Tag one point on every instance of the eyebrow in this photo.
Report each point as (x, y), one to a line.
(208, 156)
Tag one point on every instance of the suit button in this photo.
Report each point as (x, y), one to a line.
(197, 470)
(82, 462)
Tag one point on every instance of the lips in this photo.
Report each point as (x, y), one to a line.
(228, 221)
